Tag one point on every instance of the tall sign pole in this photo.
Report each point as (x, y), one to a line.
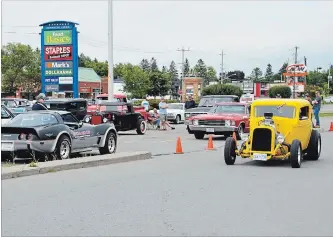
(110, 49)
(59, 57)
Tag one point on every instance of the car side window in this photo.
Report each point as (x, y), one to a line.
(73, 106)
(68, 118)
(304, 113)
(82, 105)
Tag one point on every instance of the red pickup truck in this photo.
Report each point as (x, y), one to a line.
(120, 98)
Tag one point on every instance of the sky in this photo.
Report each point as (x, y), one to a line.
(250, 33)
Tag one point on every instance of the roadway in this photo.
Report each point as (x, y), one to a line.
(193, 194)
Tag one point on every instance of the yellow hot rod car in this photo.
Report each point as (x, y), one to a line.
(279, 129)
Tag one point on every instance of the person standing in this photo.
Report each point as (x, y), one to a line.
(145, 104)
(190, 103)
(308, 98)
(39, 105)
(163, 114)
(316, 108)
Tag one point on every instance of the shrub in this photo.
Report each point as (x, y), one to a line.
(222, 89)
(284, 91)
(311, 90)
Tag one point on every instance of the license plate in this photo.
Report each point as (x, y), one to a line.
(262, 157)
(209, 129)
(7, 146)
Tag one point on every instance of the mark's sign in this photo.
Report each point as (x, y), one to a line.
(53, 53)
(59, 64)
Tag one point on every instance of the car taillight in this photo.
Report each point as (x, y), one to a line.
(29, 137)
(22, 136)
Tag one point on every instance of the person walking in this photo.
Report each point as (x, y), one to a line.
(316, 108)
(39, 105)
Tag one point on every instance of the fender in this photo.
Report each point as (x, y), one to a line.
(102, 142)
(57, 138)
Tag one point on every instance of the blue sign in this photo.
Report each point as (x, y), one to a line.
(59, 57)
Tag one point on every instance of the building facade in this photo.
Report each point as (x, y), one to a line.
(192, 86)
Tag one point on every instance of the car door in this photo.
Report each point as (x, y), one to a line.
(78, 133)
(247, 119)
(304, 127)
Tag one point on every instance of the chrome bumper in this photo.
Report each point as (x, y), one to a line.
(212, 129)
(40, 146)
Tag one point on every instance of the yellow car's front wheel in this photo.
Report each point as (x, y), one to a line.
(230, 151)
(296, 154)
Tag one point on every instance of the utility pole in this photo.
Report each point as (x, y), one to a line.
(294, 87)
(110, 50)
(183, 65)
(222, 68)
(329, 77)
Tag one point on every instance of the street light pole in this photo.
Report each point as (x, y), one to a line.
(110, 48)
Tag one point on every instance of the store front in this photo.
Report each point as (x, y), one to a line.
(85, 92)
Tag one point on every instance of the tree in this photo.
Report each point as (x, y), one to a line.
(119, 70)
(153, 65)
(236, 75)
(145, 65)
(136, 81)
(211, 74)
(283, 68)
(160, 83)
(269, 73)
(186, 68)
(200, 70)
(256, 73)
(174, 79)
(19, 63)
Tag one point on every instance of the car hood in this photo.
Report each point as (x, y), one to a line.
(219, 116)
(174, 111)
(198, 110)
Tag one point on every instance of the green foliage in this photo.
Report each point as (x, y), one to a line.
(237, 75)
(256, 74)
(20, 66)
(269, 73)
(136, 81)
(222, 89)
(211, 74)
(311, 90)
(101, 68)
(284, 91)
(186, 67)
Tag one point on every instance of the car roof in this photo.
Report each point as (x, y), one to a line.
(231, 103)
(64, 100)
(61, 112)
(207, 96)
(280, 101)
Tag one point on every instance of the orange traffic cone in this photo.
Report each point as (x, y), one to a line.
(179, 149)
(331, 127)
(210, 143)
(234, 137)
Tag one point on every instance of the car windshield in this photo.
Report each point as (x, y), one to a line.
(33, 120)
(211, 101)
(4, 113)
(228, 109)
(278, 111)
(9, 103)
(175, 106)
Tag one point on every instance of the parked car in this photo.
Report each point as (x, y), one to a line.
(247, 98)
(176, 112)
(6, 115)
(222, 119)
(78, 107)
(279, 129)
(121, 114)
(328, 99)
(17, 105)
(58, 133)
(205, 104)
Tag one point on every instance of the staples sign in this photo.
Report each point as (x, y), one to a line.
(57, 53)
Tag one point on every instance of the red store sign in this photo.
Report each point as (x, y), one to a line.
(58, 53)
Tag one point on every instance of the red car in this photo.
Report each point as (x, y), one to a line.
(222, 119)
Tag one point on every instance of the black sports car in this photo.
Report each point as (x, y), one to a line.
(58, 134)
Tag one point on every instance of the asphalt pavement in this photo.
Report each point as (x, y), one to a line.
(191, 194)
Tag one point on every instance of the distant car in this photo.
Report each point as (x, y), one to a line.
(247, 98)
(6, 115)
(222, 119)
(328, 99)
(78, 107)
(205, 104)
(17, 105)
(176, 112)
(121, 114)
(54, 134)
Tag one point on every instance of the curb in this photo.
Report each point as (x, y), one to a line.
(70, 164)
